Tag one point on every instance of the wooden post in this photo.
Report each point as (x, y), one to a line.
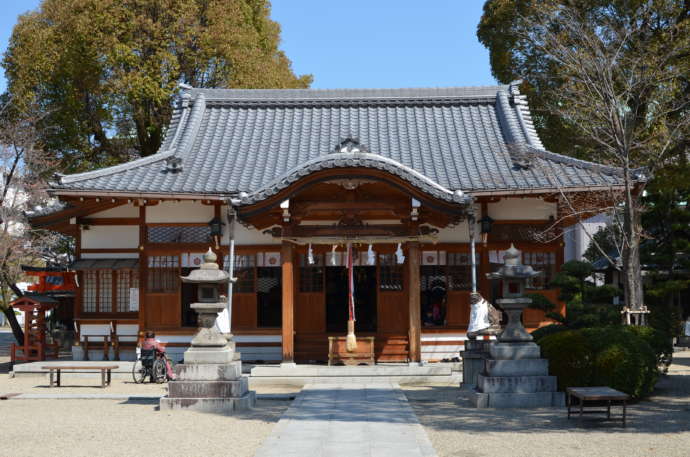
(414, 302)
(288, 270)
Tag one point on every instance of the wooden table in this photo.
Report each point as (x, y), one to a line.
(105, 372)
(597, 394)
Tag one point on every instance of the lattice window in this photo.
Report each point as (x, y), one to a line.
(179, 234)
(164, 274)
(90, 297)
(540, 261)
(126, 279)
(459, 267)
(311, 275)
(390, 273)
(269, 296)
(105, 291)
(245, 273)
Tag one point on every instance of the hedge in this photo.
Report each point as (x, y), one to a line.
(618, 357)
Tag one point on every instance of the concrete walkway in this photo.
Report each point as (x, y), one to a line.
(363, 420)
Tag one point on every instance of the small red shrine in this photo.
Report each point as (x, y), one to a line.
(35, 346)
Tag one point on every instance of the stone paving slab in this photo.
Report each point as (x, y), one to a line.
(332, 420)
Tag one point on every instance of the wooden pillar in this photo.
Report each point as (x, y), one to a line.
(143, 270)
(415, 336)
(288, 269)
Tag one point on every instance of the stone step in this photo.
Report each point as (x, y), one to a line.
(208, 389)
(218, 405)
(517, 400)
(522, 367)
(516, 384)
(298, 381)
(348, 371)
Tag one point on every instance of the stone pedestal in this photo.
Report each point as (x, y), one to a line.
(514, 375)
(476, 351)
(210, 379)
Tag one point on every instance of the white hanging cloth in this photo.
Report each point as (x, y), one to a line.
(400, 257)
(310, 255)
(371, 256)
(333, 259)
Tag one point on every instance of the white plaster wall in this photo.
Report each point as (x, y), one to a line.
(245, 236)
(113, 255)
(458, 234)
(128, 210)
(521, 209)
(183, 211)
(110, 236)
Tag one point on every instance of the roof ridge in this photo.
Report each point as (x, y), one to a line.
(160, 155)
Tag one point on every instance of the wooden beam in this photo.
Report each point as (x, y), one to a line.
(288, 270)
(415, 331)
(108, 221)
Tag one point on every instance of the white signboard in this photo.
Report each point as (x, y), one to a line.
(134, 299)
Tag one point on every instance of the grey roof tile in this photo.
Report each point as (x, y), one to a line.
(257, 141)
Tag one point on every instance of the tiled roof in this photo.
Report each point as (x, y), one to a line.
(445, 141)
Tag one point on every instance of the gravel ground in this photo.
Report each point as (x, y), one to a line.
(658, 426)
(100, 428)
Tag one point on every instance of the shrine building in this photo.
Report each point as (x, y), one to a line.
(423, 183)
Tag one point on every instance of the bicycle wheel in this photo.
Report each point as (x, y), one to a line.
(158, 374)
(138, 372)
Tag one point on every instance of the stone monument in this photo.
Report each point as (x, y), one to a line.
(515, 375)
(484, 320)
(210, 379)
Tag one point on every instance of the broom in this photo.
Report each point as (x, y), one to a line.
(351, 340)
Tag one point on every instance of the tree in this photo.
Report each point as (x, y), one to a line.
(104, 72)
(22, 167)
(614, 73)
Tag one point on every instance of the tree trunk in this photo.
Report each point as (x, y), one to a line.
(632, 282)
(16, 328)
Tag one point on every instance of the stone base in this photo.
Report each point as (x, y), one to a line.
(472, 365)
(517, 400)
(209, 371)
(210, 405)
(514, 351)
(208, 389)
(516, 384)
(522, 367)
(209, 355)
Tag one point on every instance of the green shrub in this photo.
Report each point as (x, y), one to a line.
(661, 344)
(547, 330)
(615, 356)
(570, 358)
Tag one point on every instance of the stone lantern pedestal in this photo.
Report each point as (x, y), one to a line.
(515, 375)
(210, 379)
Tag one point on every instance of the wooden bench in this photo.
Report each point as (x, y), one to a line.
(600, 395)
(105, 372)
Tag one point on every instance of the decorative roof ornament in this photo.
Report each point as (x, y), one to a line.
(350, 145)
(173, 164)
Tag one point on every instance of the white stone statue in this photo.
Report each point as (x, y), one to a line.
(484, 318)
(479, 314)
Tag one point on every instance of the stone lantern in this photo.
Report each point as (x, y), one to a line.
(514, 276)
(515, 375)
(210, 379)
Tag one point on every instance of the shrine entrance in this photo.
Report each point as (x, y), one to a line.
(365, 299)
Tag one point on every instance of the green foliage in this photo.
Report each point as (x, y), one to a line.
(570, 358)
(608, 239)
(616, 356)
(105, 71)
(587, 305)
(547, 330)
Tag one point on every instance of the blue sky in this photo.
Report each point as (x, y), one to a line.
(366, 43)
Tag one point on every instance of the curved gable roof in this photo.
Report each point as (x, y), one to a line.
(230, 141)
